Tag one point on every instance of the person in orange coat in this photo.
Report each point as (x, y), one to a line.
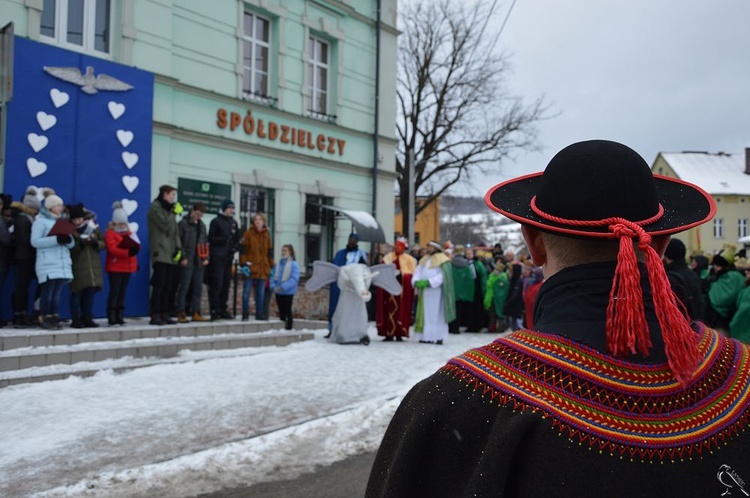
(256, 261)
(394, 312)
(121, 262)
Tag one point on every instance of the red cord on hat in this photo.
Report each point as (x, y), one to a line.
(627, 329)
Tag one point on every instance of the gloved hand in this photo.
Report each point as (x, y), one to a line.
(93, 242)
(177, 255)
(277, 289)
(63, 239)
(133, 250)
(177, 208)
(422, 284)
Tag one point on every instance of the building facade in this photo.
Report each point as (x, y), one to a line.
(280, 105)
(726, 177)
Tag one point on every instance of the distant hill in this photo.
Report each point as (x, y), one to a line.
(468, 220)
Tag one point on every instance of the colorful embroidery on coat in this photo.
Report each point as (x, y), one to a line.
(625, 409)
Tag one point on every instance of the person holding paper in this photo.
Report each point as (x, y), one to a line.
(87, 266)
(51, 236)
(121, 262)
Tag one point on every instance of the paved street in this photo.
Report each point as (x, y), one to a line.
(344, 479)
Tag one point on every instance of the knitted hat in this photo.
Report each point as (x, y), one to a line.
(354, 236)
(31, 200)
(76, 211)
(51, 199)
(119, 215)
(436, 245)
(604, 190)
(675, 250)
(226, 203)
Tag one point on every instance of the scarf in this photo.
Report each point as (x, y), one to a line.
(286, 272)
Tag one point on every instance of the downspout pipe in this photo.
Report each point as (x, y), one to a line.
(375, 133)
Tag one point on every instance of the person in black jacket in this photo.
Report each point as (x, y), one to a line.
(24, 256)
(223, 239)
(685, 283)
(6, 245)
(513, 307)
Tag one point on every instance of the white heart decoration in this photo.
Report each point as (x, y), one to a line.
(130, 159)
(133, 226)
(125, 137)
(37, 142)
(129, 206)
(59, 98)
(115, 109)
(130, 182)
(35, 167)
(46, 121)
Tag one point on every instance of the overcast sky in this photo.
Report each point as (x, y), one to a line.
(657, 75)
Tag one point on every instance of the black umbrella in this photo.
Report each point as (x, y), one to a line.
(367, 227)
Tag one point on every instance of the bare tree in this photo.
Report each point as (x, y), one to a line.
(455, 113)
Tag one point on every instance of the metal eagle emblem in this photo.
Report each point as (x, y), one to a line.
(88, 82)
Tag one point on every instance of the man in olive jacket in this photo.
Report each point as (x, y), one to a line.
(164, 238)
(223, 236)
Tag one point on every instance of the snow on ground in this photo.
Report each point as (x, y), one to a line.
(180, 429)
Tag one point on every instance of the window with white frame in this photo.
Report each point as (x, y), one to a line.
(718, 228)
(78, 23)
(256, 55)
(318, 55)
(742, 227)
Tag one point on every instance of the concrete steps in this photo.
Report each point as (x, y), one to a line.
(33, 355)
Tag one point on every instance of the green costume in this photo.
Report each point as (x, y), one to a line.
(724, 291)
(498, 287)
(739, 327)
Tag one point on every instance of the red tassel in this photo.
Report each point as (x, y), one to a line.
(627, 329)
(680, 341)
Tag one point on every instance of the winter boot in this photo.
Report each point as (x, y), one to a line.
(112, 316)
(181, 318)
(48, 322)
(22, 321)
(156, 319)
(167, 319)
(120, 316)
(288, 325)
(77, 323)
(57, 321)
(197, 317)
(88, 322)
(245, 316)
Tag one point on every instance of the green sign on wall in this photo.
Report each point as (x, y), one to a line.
(212, 194)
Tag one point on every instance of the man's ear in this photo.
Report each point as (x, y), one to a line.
(535, 243)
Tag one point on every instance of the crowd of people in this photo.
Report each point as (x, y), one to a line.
(59, 246)
(483, 289)
(446, 288)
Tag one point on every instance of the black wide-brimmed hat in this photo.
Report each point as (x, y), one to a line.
(602, 189)
(597, 180)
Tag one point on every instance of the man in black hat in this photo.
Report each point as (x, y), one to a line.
(616, 392)
(685, 283)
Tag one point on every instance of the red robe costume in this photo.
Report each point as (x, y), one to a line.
(394, 312)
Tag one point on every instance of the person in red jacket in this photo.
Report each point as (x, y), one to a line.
(121, 263)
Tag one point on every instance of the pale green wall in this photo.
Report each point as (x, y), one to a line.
(194, 48)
